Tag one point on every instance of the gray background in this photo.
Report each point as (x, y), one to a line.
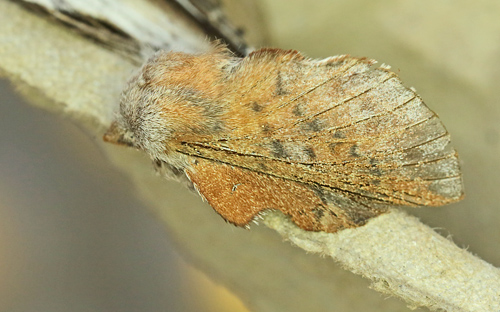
(72, 236)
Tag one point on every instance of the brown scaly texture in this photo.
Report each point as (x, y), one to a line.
(331, 143)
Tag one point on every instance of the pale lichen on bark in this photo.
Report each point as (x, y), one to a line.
(82, 79)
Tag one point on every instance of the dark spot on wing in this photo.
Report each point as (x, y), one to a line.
(310, 152)
(266, 128)
(298, 109)
(338, 135)
(256, 107)
(213, 125)
(321, 194)
(212, 110)
(263, 167)
(332, 147)
(318, 212)
(280, 88)
(376, 172)
(358, 218)
(354, 151)
(313, 125)
(278, 150)
(374, 169)
(217, 125)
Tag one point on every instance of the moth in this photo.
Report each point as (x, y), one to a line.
(331, 143)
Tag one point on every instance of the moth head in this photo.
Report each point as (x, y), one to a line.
(167, 100)
(140, 121)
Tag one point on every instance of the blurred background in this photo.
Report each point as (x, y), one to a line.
(73, 237)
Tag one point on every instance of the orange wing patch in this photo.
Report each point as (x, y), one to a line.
(239, 195)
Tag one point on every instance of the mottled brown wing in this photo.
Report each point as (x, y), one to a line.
(354, 136)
